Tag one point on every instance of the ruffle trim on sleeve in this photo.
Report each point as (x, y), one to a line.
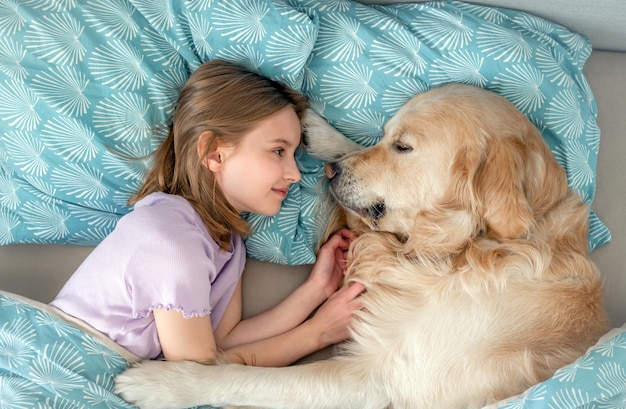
(187, 314)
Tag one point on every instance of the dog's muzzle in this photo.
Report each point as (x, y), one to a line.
(334, 172)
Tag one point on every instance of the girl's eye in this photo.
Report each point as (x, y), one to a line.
(279, 151)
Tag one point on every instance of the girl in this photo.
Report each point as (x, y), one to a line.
(167, 281)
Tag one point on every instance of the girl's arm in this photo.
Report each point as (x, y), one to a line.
(185, 339)
(279, 336)
(192, 338)
(325, 278)
(329, 325)
(288, 314)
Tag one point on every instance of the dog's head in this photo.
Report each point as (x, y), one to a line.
(454, 162)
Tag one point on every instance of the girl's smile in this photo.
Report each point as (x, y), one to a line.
(282, 192)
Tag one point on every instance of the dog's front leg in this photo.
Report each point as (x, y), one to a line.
(319, 385)
(323, 141)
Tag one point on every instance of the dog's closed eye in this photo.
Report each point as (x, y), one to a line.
(402, 147)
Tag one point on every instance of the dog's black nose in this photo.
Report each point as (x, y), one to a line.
(332, 169)
(376, 211)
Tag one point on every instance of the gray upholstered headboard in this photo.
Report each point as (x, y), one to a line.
(598, 20)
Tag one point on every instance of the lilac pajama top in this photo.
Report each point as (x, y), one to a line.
(160, 255)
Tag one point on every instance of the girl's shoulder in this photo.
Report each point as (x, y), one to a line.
(161, 200)
(162, 209)
(162, 217)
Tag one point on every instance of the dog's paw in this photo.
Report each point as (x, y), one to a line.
(323, 141)
(152, 384)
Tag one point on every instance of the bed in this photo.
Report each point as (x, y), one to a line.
(85, 85)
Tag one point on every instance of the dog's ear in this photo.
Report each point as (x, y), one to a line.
(500, 188)
(323, 141)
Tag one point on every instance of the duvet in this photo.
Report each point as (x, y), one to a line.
(49, 360)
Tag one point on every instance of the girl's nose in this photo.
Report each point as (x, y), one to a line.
(292, 173)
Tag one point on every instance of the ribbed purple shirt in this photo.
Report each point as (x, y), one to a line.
(160, 255)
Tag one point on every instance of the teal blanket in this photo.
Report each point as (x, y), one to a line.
(86, 85)
(47, 363)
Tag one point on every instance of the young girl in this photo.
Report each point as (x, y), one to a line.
(167, 281)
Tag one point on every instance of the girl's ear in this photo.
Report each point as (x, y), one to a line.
(210, 157)
(213, 160)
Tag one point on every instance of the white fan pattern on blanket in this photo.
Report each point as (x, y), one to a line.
(47, 363)
(85, 85)
(84, 81)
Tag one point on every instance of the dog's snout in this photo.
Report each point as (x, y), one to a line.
(331, 170)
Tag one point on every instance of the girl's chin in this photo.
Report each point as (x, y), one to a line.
(268, 208)
(269, 212)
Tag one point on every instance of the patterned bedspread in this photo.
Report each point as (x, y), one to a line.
(87, 87)
(46, 362)
(80, 80)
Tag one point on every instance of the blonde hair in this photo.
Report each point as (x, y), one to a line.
(226, 100)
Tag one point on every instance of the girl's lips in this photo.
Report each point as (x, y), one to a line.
(281, 192)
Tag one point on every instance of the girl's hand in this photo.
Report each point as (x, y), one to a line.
(333, 319)
(329, 269)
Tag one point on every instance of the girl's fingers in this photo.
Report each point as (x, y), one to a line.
(353, 290)
(348, 234)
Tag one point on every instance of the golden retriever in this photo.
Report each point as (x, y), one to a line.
(474, 254)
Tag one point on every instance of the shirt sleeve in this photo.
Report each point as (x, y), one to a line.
(172, 269)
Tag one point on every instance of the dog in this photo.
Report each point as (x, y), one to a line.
(474, 254)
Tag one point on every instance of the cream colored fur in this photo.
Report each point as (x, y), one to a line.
(474, 254)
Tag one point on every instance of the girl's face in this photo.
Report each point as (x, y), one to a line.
(256, 174)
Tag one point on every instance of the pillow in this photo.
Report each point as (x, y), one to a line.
(86, 85)
(369, 60)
